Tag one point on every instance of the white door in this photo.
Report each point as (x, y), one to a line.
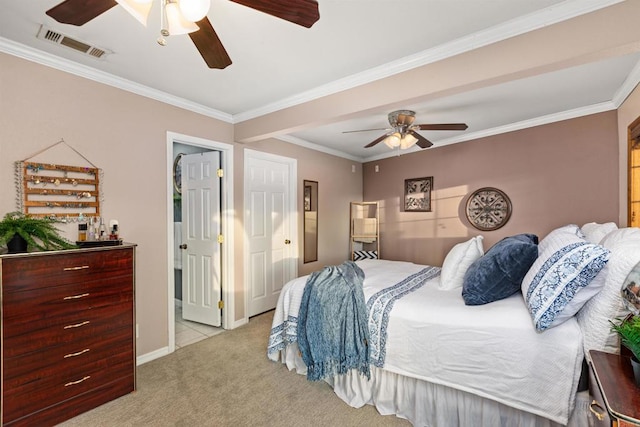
(200, 231)
(270, 227)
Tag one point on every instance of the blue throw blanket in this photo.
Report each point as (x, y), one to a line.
(333, 336)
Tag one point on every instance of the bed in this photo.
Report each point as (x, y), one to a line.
(437, 361)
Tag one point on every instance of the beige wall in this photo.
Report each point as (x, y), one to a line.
(565, 172)
(125, 135)
(627, 113)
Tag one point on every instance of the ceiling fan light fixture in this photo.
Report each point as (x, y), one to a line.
(407, 141)
(194, 10)
(139, 9)
(176, 23)
(404, 133)
(392, 141)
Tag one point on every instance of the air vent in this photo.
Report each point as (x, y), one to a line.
(54, 37)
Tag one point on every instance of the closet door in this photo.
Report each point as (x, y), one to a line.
(270, 225)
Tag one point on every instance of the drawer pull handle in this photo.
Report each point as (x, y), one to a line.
(82, 267)
(77, 325)
(76, 354)
(76, 296)
(599, 415)
(77, 382)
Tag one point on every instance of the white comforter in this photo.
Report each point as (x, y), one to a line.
(492, 350)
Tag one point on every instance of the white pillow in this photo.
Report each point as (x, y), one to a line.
(594, 317)
(458, 261)
(620, 235)
(594, 232)
(560, 281)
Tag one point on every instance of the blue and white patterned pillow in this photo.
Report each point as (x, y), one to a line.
(558, 283)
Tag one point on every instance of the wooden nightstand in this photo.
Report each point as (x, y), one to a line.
(612, 387)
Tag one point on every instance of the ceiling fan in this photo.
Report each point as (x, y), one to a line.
(178, 17)
(402, 132)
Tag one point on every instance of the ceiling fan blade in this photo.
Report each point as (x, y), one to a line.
(364, 130)
(442, 126)
(374, 142)
(209, 45)
(301, 12)
(79, 12)
(422, 141)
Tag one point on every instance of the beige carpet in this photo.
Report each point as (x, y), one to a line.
(227, 380)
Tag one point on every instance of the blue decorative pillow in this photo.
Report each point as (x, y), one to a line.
(498, 274)
(560, 281)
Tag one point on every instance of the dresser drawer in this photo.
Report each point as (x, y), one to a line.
(23, 369)
(58, 385)
(55, 414)
(61, 268)
(35, 305)
(25, 338)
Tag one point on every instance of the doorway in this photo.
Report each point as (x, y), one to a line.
(633, 174)
(181, 331)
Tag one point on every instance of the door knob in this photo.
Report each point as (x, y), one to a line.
(183, 246)
(286, 242)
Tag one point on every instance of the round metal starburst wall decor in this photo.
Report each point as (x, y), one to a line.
(488, 209)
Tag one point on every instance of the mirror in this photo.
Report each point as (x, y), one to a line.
(310, 221)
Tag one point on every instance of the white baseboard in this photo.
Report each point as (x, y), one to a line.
(240, 322)
(156, 354)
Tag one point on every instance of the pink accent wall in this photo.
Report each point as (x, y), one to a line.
(556, 174)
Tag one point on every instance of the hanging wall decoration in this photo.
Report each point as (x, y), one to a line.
(417, 194)
(488, 209)
(177, 173)
(58, 191)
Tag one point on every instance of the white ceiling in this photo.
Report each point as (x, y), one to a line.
(277, 64)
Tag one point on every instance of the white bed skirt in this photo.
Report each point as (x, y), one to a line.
(428, 404)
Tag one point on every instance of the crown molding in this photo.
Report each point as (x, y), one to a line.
(543, 18)
(551, 15)
(627, 86)
(511, 127)
(310, 145)
(529, 123)
(49, 60)
(548, 16)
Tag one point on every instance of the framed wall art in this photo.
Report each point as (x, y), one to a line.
(417, 194)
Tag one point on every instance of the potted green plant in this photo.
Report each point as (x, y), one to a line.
(628, 329)
(39, 233)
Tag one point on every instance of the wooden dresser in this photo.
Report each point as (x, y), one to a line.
(68, 332)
